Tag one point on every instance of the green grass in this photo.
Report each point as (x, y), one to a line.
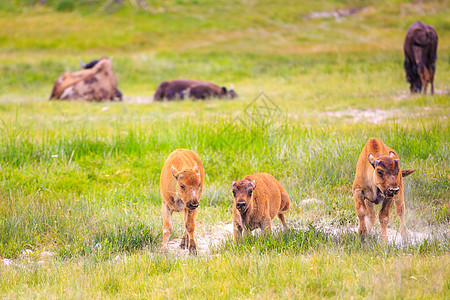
(82, 179)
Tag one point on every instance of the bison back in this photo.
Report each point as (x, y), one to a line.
(268, 191)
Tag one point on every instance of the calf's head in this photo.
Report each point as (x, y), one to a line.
(386, 173)
(243, 194)
(189, 186)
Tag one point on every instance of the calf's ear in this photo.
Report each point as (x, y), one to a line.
(372, 160)
(252, 185)
(392, 155)
(175, 172)
(233, 184)
(196, 169)
(407, 172)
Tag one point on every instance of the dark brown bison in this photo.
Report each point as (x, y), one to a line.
(180, 88)
(420, 49)
(204, 91)
(97, 82)
(378, 179)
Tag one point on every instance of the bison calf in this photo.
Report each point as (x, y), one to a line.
(378, 179)
(420, 49)
(182, 178)
(258, 198)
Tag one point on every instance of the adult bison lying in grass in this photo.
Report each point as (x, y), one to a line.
(420, 49)
(179, 88)
(97, 82)
(258, 198)
(182, 179)
(378, 179)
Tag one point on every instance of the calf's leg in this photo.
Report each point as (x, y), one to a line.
(371, 215)
(237, 230)
(167, 225)
(190, 227)
(400, 210)
(360, 212)
(384, 217)
(266, 225)
(282, 219)
(185, 237)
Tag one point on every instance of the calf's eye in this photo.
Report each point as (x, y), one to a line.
(380, 172)
(182, 187)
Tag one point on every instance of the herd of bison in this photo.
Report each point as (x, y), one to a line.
(97, 81)
(259, 197)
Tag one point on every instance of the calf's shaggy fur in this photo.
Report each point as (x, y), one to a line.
(182, 178)
(258, 198)
(378, 179)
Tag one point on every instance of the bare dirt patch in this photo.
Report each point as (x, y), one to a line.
(205, 241)
(337, 14)
(220, 233)
(138, 99)
(367, 115)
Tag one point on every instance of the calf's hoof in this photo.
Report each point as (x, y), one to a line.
(192, 247)
(184, 243)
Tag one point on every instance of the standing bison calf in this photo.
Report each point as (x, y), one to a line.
(182, 178)
(378, 179)
(258, 198)
(420, 49)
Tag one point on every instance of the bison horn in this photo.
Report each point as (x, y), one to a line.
(233, 183)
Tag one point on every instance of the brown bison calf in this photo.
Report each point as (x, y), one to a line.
(182, 178)
(258, 198)
(420, 49)
(378, 179)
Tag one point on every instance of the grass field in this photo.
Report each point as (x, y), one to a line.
(79, 190)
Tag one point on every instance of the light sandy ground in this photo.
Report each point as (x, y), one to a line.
(336, 14)
(368, 115)
(206, 240)
(215, 235)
